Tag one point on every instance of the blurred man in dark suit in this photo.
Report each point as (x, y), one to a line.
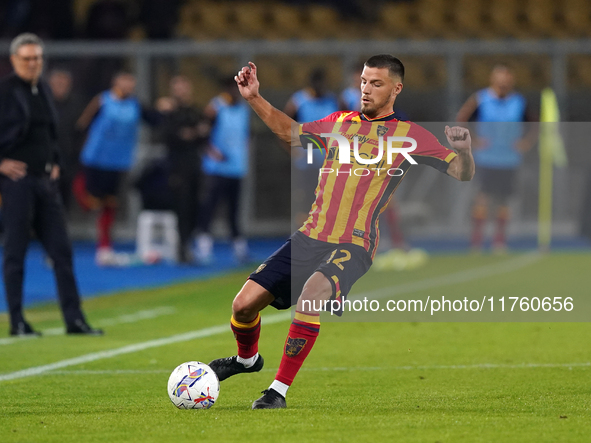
(29, 170)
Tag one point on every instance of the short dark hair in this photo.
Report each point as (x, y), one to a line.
(394, 65)
(122, 73)
(317, 75)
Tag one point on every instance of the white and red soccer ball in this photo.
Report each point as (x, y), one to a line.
(193, 385)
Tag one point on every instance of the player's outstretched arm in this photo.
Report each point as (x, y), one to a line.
(461, 167)
(277, 121)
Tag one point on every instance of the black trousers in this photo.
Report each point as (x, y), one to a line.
(33, 203)
(218, 189)
(184, 183)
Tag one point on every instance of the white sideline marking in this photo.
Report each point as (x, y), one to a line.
(127, 318)
(9, 341)
(201, 333)
(108, 372)
(347, 369)
(458, 277)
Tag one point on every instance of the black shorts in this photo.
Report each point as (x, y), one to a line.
(285, 272)
(101, 183)
(499, 183)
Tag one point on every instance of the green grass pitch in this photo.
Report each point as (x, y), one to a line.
(398, 382)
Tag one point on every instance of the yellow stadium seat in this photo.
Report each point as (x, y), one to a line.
(527, 71)
(476, 73)
(541, 17)
(251, 19)
(577, 17)
(270, 72)
(397, 20)
(302, 67)
(188, 18)
(286, 21)
(468, 17)
(435, 71)
(211, 21)
(506, 19)
(533, 73)
(431, 18)
(580, 72)
(415, 74)
(323, 22)
(300, 72)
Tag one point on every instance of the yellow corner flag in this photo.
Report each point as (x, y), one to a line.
(552, 153)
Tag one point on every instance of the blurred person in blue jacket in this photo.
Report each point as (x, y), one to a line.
(113, 119)
(500, 143)
(311, 103)
(225, 166)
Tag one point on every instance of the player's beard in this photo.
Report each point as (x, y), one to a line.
(370, 110)
(365, 108)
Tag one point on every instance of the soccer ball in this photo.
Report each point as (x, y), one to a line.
(193, 385)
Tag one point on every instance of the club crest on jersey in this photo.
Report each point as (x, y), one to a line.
(332, 152)
(382, 130)
(294, 346)
(260, 268)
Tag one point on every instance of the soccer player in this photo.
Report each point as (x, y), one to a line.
(350, 100)
(499, 150)
(335, 246)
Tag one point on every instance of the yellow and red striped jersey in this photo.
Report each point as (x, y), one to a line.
(349, 197)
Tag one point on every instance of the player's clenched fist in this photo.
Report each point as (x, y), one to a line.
(248, 83)
(458, 137)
